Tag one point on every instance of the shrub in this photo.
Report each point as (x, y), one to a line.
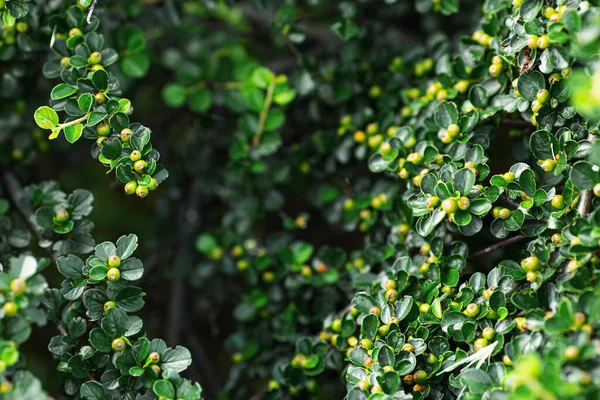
(387, 199)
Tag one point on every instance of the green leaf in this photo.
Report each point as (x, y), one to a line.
(530, 83)
(92, 390)
(200, 100)
(70, 266)
(100, 79)
(584, 175)
(73, 132)
(135, 65)
(132, 269)
(45, 117)
(177, 359)
(446, 114)
(464, 179)
(126, 245)
(477, 380)
(174, 94)
(111, 148)
(262, 77)
(164, 388)
(530, 10)
(61, 91)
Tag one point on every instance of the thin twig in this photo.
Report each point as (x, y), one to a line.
(263, 114)
(91, 11)
(498, 245)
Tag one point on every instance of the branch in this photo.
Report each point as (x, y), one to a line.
(16, 194)
(91, 11)
(263, 114)
(497, 246)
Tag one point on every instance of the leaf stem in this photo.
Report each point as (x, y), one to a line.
(263, 114)
(75, 121)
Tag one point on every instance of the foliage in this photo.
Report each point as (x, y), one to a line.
(391, 200)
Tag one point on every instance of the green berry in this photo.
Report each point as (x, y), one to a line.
(95, 58)
(489, 333)
(141, 191)
(65, 62)
(596, 190)
(415, 158)
(423, 308)
(449, 206)
(391, 295)
(154, 357)
(543, 95)
(114, 261)
(558, 202)
(100, 97)
(385, 148)
(113, 274)
(495, 70)
(336, 325)
(464, 203)
(532, 42)
(543, 42)
(453, 130)
(153, 184)
(571, 353)
(433, 202)
(10, 309)
(530, 264)
(548, 165)
(505, 213)
(496, 211)
(126, 134)
(480, 344)
(75, 32)
(420, 377)
(139, 165)
(118, 344)
(62, 216)
(366, 343)
(109, 305)
(18, 286)
(130, 187)
(472, 310)
(6, 387)
(135, 156)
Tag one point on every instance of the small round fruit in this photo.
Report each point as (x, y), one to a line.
(366, 343)
(480, 344)
(424, 269)
(141, 191)
(375, 310)
(543, 42)
(65, 62)
(109, 305)
(596, 190)
(543, 95)
(548, 165)
(126, 135)
(495, 70)
(530, 264)
(10, 309)
(509, 177)
(154, 357)
(359, 136)
(532, 42)
(453, 130)
(385, 148)
(114, 261)
(96, 67)
(488, 333)
(505, 213)
(391, 295)
(472, 310)
(449, 206)
(463, 203)
(130, 187)
(135, 156)
(139, 165)
(420, 377)
(383, 330)
(363, 384)
(532, 276)
(95, 58)
(18, 286)
(571, 353)
(113, 274)
(556, 238)
(6, 387)
(566, 72)
(558, 202)
(496, 211)
(433, 202)
(408, 347)
(100, 97)
(336, 325)
(153, 184)
(415, 158)
(118, 344)
(62, 216)
(374, 141)
(369, 362)
(75, 32)
(506, 360)
(423, 308)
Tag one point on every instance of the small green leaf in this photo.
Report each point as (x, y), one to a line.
(61, 91)
(45, 117)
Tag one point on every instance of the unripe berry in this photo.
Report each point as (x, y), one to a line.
(566, 72)
(464, 203)
(10, 309)
(126, 134)
(118, 344)
(336, 325)
(135, 156)
(532, 276)
(462, 86)
(154, 357)
(571, 353)
(100, 97)
(139, 165)
(363, 384)
(530, 264)
(153, 184)
(420, 377)
(75, 32)
(556, 238)
(506, 360)
(130, 187)
(156, 369)
(472, 310)
(141, 191)
(453, 130)
(408, 347)
(109, 305)
(543, 95)
(423, 308)
(6, 387)
(65, 62)
(495, 70)
(415, 158)
(96, 67)
(532, 42)
(449, 205)
(385, 148)
(113, 274)
(424, 269)
(62, 216)
(366, 343)
(433, 202)
(359, 136)
(375, 311)
(509, 176)
(558, 202)
(596, 190)
(383, 330)
(496, 59)
(391, 295)
(548, 165)
(408, 379)
(114, 261)
(543, 42)
(496, 211)
(480, 344)
(348, 204)
(18, 286)
(95, 57)
(369, 362)
(375, 141)
(505, 213)
(489, 333)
